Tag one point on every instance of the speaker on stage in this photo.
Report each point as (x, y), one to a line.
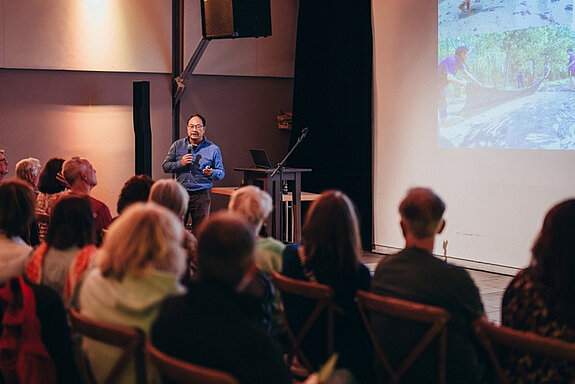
(223, 19)
(142, 128)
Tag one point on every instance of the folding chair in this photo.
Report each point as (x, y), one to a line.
(491, 336)
(435, 317)
(130, 339)
(184, 372)
(323, 296)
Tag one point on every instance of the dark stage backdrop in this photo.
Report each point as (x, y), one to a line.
(333, 97)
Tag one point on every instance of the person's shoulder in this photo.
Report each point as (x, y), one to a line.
(271, 244)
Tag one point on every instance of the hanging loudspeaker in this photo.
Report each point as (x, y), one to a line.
(223, 19)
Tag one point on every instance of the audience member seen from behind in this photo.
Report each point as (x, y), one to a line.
(172, 195)
(3, 165)
(81, 177)
(50, 189)
(17, 202)
(28, 170)
(255, 205)
(215, 324)
(68, 251)
(541, 298)
(141, 263)
(136, 189)
(415, 274)
(330, 254)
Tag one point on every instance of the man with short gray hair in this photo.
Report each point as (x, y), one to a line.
(28, 170)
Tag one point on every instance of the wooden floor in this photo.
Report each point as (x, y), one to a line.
(491, 285)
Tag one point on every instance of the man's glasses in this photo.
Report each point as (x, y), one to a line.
(196, 126)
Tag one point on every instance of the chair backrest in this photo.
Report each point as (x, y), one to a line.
(491, 336)
(131, 339)
(437, 319)
(184, 372)
(323, 296)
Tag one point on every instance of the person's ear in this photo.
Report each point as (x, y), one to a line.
(403, 228)
(441, 226)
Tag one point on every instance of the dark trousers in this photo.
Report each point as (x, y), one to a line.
(198, 207)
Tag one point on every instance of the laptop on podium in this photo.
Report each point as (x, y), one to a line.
(260, 158)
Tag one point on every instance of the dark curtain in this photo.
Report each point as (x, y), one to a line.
(333, 98)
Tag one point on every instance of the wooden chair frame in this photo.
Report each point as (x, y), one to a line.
(323, 295)
(130, 339)
(490, 334)
(184, 372)
(436, 317)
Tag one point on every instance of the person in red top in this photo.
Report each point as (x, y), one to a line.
(81, 177)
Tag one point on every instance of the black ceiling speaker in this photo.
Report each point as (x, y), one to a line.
(224, 19)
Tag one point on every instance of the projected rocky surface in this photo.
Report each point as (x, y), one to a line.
(543, 120)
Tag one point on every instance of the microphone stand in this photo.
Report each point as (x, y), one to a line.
(279, 169)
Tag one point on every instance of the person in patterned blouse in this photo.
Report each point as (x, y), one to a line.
(541, 299)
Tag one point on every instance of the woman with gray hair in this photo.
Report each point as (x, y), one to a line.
(255, 205)
(141, 263)
(172, 195)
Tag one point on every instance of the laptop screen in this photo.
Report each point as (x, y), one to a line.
(260, 158)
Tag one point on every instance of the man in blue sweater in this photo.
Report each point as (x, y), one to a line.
(197, 162)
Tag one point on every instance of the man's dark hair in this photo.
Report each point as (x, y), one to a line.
(71, 223)
(17, 203)
(136, 189)
(421, 210)
(226, 246)
(197, 115)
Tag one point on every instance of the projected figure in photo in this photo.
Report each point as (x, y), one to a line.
(571, 67)
(446, 72)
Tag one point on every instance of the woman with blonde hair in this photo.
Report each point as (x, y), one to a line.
(141, 263)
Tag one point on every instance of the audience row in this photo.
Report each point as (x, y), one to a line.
(210, 301)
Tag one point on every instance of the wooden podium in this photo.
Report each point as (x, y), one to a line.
(273, 185)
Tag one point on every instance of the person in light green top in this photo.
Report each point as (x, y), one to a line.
(141, 264)
(256, 205)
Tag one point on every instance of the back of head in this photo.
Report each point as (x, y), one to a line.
(17, 204)
(331, 234)
(48, 182)
(252, 203)
(71, 223)
(554, 249)
(225, 248)
(170, 194)
(145, 236)
(421, 212)
(27, 167)
(72, 168)
(136, 189)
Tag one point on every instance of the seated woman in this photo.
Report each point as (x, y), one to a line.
(68, 251)
(255, 205)
(541, 298)
(50, 189)
(329, 254)
(141, 263)
(35, 303)
(172, 195)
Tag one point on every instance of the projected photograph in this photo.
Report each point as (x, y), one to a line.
(506, 74)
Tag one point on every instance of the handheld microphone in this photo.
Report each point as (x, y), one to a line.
(190, 149)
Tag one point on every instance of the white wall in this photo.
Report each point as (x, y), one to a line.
(134, 36)
(496, 199)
